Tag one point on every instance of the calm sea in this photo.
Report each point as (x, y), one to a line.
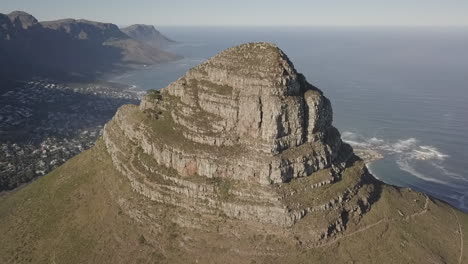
(400, 91)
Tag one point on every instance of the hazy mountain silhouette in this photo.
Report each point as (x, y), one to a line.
(68, 48)
(147, 34)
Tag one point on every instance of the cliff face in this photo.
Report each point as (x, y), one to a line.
(235, 162)
(245, 120)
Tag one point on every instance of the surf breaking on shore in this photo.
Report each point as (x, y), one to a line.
(412, 157)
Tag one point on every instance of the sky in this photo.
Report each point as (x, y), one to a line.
(251, 12)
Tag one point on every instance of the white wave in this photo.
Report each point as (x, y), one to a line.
(404, 145)
(408, 147)
(406, 152)
(429, 152)
(409, 152)
(404, 166)
(375, 140)
(447, 172)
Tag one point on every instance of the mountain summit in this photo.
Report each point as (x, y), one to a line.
(245, 118)
(235, 162)
(147, 34)
(22, 19)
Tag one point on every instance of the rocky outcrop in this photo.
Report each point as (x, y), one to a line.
(242, 135)
(268, 109)
(236, 162)
(22, 20)
(147, 34)
(15, 23)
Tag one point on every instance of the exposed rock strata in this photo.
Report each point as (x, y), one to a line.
(230, 136)
(190, 176)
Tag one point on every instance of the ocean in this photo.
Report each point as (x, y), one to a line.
(400, 91)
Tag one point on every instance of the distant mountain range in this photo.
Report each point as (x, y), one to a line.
(74, 48)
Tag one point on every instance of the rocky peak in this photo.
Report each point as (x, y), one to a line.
(147, 34)
(246, 103)
(232, 132)
(141, 28)
(251, 95)
(261, 61)
(236, 162)
(22, 19)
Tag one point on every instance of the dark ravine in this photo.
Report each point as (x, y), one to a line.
(235, 162)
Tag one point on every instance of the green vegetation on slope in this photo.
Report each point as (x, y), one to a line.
(68, 216)
(78, 214)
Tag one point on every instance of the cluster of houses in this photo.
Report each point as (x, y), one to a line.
(44, 123)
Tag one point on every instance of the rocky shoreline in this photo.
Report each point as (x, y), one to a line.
(368, 155)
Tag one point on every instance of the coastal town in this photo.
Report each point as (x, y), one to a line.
(43, 123)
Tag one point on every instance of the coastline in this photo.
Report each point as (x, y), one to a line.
(368, 155)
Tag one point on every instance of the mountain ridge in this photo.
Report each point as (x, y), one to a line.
(236, 162)
(147, 34)
(69, 47)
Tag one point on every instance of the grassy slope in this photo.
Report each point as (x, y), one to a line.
(70, 216)
(385, 236)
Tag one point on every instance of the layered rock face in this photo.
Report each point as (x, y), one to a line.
(236, 162)
(251, 98)
(231, 135)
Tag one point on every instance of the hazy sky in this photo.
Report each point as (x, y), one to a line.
(250, 12)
